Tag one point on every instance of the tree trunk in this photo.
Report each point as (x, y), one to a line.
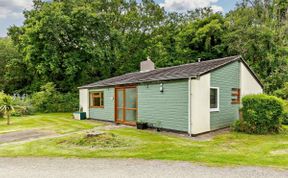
(8, 119)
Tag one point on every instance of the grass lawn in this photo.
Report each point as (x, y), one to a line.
(226, 149)
(59, 122)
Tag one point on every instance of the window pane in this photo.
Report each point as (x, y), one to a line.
(120, 94)
(97, 99)
(102, 99)
(213, 98)
(96, 102)
(131, 97)
(120, 114)
(131, 115)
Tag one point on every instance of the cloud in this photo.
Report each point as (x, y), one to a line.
(14, 8)
(184, 5)
(216, 8)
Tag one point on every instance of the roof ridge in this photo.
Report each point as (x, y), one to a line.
(167, 73)
(209, 60)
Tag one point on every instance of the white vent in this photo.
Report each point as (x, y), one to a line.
(147, 65)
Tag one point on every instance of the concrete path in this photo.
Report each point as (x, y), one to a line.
(86, 168)
(23, 135)
(19, 137)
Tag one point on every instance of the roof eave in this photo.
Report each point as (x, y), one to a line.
(217, 67)
(252, 72)
(236, 59)
(138, 82)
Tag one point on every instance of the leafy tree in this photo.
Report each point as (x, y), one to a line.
(74, 42)
(78, 41)
(14, 76)
(256, 31)
(183, 38)
(201, 38)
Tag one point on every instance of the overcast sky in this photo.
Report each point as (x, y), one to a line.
(11, 10)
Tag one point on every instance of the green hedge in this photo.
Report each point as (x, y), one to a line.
(262, 114)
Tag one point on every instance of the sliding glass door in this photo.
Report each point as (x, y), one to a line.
(126, 104)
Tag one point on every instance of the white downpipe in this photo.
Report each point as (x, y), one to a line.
(189, 107)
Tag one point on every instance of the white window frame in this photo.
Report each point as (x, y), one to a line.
(218, 100)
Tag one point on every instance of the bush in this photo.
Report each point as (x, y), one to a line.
(285, 114)
(283, 92)
(262, 114)
(50, 100)
(285, 118)
(21, 106)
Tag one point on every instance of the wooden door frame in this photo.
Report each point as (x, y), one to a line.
(124, 87)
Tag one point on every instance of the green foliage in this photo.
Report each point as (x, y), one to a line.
(258, 32)
(7, 107)
(285, 114)
(50, 100)
(262, 114)
(62, 47)
(14, 76)
(2, 95)
(56, 44)
(283, 92)
(184, 41)
(285, 118)
(22, 107)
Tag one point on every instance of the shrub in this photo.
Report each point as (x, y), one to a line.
(283, 92)
(285, 114)
(285, 118)
(50, 100)
(262, 114)
(22, 107)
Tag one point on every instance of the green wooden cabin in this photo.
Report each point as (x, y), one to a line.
(192, 98)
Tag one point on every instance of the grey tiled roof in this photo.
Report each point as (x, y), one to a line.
(169, 73)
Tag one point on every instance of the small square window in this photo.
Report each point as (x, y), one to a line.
(97, 99)
(214, 99)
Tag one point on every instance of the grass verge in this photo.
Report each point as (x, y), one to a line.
(226, 149)
(58, 122)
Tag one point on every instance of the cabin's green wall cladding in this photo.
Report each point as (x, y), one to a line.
(106, 113)
(170, 107)
(225, 78)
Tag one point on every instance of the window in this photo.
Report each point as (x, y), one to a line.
(235, 96)
(214, 99)
(97, 99)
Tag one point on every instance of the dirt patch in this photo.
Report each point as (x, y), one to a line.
(103, 140)
(24, 135)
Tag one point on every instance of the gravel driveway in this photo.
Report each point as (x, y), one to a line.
(76, 168)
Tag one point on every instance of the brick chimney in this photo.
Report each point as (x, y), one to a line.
(147, 65)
